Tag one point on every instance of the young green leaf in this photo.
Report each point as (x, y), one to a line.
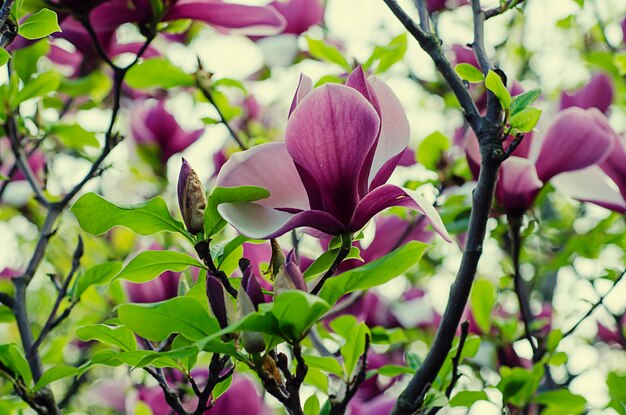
(213, 222)
(53, 374)
(97, 215)
(526, 119)
(40, 24)
(327, 53)
(482, 300)
(522, 101)
(469, 73)
(74, 136)
(99, 274)
(375, 273)
(494, 83)
(431, 149)
(158, 73)
(13, 358)
(353, 348)
(4, 56)
(148, 265)
(120, 337)
(468, 398)
(42, 85)
(324, 261)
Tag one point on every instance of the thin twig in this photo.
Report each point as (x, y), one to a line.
(339, 407)
(496, 11)
(594, 306)
(171, 397)
(344, 250)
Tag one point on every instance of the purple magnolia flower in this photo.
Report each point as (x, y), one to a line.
(598, 93)
(575, 140)
(162, 288)
(613, 335)
(153, 126)
(342, 143)
(252, 287)
(8, 273)
(375, 385)
(254, 20)
(440, 5)
(37, 163)
(299, 14)
(382, 405)
(215, 294)
(242, 397)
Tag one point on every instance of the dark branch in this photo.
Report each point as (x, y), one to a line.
(344, 250)
(204, 253)
(171, 397)
(496, 11)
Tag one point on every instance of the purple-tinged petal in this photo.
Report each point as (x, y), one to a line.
(8, 273)
(252, 288)
(36, 161)
(242, 398)
(576, 139)
(261, 222)
(615, 165)
(358, 81)
(391, 231)
(598, 93)
(329, 135)
(268, 166)
(394, 134)
(113, 13)
(390, 195)
(294, 272)
(408, 158)
(162, 288)
(305, 85)
(591, 185)
(251, 20)
(300, 14)
(381, 405)
(463, 54)
(518, 184)
(472, 153)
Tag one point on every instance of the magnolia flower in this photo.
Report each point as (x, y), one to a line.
(603, 184)
(598, 93)
(381, 405)
(258, 20)
(440, 5)
(576, 139)
(36, 162)
(162, 288)
(299, 14)
(342, 143)
(152, 125)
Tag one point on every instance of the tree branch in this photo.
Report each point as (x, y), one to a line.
(344, 250)
(339, 407)
(171, 397)
(496, 11)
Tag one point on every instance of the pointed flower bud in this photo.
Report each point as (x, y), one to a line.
(250, 285)
(289, 276)
(217, 302)
(191, 198)
(252, 341)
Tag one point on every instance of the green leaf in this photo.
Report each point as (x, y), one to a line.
(42, 85)
(324, 261)
(388, 55)
(53, 374)
(518, 385)
(482, 300)
(222, 387)
(526, 119)
(375, 273)
(6, 314)
(296, 311)
(96, 85)
(97, 215)
(617, 392)
(431, 149)
(12, 358)
(469, 73)
(120, 337)
(100, 274)
(558, 359)
(562, 399)
(228, 82)
(213, 222)
(4, 56)
(156, 321)
(343, 324)
(522, 101)
(554, 338)
(40, 24)
(353, 348)
(327, 53)
(25, 60)
(312, 405)
(147, 265)
(74, 136)
(157, 73)
(468, 398)
(393, 371)
(620, 62)
(494, 83)
(326, 363)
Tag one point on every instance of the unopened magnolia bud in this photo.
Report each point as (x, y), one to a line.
(217, 302)
(191, 198)
(252, 341)
(289, 276)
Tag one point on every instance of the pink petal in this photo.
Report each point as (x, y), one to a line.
(252, 20)
(518, 184)
(390, 195)
(268, 166)
(328, 136)
(300, 14)
(305, 85)
(615, 165)
(591, 185)
(394, 134)
(576, 139)
(112, 14)
(261, 222)
(597, 94)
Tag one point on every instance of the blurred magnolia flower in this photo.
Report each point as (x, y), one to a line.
(256, 20)
(375, 386)
(162, 288)
(613, 335)
(342, 143)
(299, 14)
(8, 273)
(441, 5)
(598, 93)
(381, 405)
(36, 162)
(153, 126)
(575, 140)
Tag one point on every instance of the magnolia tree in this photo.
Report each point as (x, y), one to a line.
(396, 207)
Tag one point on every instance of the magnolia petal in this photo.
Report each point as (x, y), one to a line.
(390, 195)
(269, 166)
(329, 135)
(576, 139)
(598, 93)
(391, 231)
(112, 14)
(394, 134)
(591, 185)
(615, 165)
(252, 20)
(300, 14)
(518, 184)
(472, 153)
(262, 222)
(305, 85)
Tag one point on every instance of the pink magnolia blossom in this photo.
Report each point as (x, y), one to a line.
(598, 93)
(36, 162)
(254, 20)
(299, 14)
(162, 288)
(152, 125)
(342, 143)
(381, 405)
(575, 140)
